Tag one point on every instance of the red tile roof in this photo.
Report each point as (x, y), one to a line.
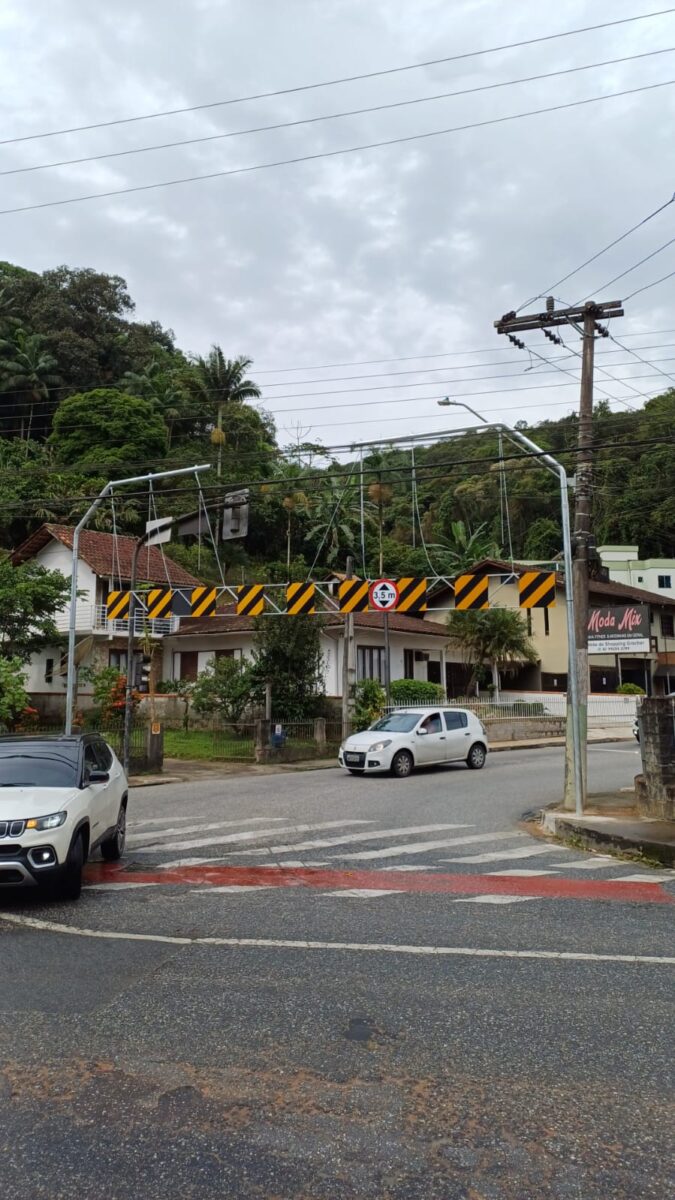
(108, 556)
(228, 622)
(600, 589)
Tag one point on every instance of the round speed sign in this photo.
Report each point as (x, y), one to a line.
(383, 595)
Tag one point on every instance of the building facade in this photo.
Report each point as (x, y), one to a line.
(653, 574)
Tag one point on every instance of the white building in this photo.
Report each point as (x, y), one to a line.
(653, 574)
(105, 563)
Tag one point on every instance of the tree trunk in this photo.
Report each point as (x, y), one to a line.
(495, 680)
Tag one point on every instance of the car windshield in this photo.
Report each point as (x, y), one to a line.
(37, 766)
(397, 722)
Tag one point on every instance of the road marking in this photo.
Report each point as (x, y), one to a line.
(114, 887)
(369, 836)
(496, 855)
(150, 836)
(289, 862)
(160, 821)
(657, 877)
(247, 836)
(602, 751)
(360, 947)
(409, 867)
(520, 873)
(422, 847)
(362, 893)
(600, 862)
(328, 879)
(494, 899)
(233, 887)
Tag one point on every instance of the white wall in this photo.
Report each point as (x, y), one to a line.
(57, 557)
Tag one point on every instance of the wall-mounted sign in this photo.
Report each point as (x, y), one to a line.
(619, 629)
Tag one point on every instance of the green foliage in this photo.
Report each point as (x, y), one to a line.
(226, 687)
(496, 635)
(29, 597)
(369, 702)
(13, 695)
(109, 689)
(543, 539)
(288, 653)
(630, 689)
(108, 428)
(415, 691)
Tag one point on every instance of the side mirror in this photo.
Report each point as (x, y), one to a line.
(422, 732)
(98, 777)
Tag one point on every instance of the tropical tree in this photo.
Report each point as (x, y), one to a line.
(496, 636)
(30, 596)
(464, 547)
(335, 513)
(219, 382)
(108, 428)
(27, 369)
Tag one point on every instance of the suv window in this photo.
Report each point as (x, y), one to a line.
(38, 764)
(432, 723)
(90, 759)
(103, 755)
(455, 720)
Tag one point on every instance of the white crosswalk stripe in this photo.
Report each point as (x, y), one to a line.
(519, 873)
(362, 893)
(496, 855)
(664, 877)
(496, 899)
(598, 862)
(370, 835)
(151, 836)
(233, 887)
(423, 847)
(249, 835)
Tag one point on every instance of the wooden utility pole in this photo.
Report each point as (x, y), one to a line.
(348, 664)
(585, 319)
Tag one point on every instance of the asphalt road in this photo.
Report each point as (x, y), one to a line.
(317, 987)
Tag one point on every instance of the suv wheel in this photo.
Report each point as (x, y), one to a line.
(476, 757)
(70, 884)
(113, 848)
(402, 764)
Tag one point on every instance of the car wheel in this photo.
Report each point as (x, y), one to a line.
(70, 884)
(476, 757)
(113, 848)
(402, 764)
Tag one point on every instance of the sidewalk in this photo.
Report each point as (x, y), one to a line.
(611, 823)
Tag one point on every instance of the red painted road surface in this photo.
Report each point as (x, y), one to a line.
(404, 881)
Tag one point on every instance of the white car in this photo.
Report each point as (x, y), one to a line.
(60, 798)
(416, 737)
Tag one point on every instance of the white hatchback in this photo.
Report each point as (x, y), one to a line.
(416, 737)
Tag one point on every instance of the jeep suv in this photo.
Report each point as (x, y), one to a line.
(60, 799)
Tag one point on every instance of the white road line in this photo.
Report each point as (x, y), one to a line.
(598, 750)
(115, 887)
(150, 836)
(355, 947)
(599, 862)
(656, 877)
(497, 855)
(362, 893)
(300, 863)
(495, 899)
(519, 873)
(413, 867)
(422, 847)
(248, 836)
(369, 836)
(233, 887)
(157, 821)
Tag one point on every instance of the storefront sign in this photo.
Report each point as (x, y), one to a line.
(619, 629)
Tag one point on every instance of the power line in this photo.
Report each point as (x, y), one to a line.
(354, 112)
(643, 360)
(551, 288)
(432, 62)
(285, 162)
(647, 286)
(629, 270)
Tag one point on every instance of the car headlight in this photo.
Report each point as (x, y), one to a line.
(379, 746)
(51, 822)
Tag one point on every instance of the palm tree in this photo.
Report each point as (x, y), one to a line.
(220, 381)
(497, 636)
(337, 517)
(465, 547)
(26, 367)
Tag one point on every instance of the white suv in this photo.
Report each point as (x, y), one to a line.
(60, 798)
(415, 737)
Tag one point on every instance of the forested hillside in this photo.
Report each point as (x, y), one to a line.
(87, 393)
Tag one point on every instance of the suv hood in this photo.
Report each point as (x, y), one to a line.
(21, 803)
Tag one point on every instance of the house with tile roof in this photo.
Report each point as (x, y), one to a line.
(105, 563)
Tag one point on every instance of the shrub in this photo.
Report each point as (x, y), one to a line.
(630, 689)
(415, 691)
(369, 703)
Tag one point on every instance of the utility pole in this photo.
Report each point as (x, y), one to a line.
(585, 319)
(348, 664)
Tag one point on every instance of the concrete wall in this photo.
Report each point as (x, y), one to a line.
(655, 788)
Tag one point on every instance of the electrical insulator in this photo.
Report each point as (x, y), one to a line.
(516, 341)
(553, 337)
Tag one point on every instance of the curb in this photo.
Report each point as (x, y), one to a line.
(558, 825)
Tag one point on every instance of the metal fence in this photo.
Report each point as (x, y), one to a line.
(215, 741)
(603, 711)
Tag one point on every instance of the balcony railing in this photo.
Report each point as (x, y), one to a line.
(92, 618)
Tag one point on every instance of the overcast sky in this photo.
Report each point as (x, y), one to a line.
(389, 253)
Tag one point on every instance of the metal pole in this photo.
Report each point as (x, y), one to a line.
(387, 660)
(129, 689)
(347, 661)
(582, 525)
(72, 622)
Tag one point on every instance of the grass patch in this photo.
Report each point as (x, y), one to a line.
(207, 744)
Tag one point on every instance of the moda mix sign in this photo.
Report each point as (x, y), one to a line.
(619, 629)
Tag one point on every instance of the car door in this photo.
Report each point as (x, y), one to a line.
(459, 734)
(430, 745)
(116, 785)
(98, 794)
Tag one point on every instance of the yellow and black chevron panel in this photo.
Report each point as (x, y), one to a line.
(471, 591)
(300, 598)
(159, 601)
(353, 595)
(203, 601)
(536, 589)
(250, 600)
(117, 606)
(412, 595)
